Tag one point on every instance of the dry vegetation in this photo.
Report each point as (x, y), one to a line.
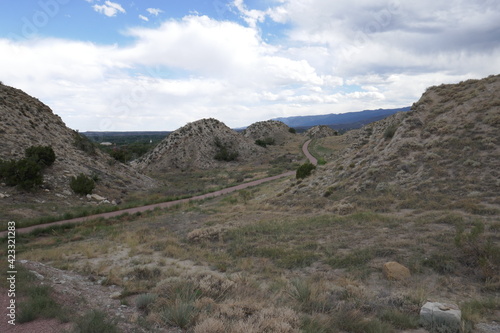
(307, 255)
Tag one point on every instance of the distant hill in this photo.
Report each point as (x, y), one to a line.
(196, 146)
(277, 131)
(348, 120)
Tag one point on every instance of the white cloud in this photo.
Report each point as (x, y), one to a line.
(154, 11)
(336, 56)
(144, 18)
(109, 8)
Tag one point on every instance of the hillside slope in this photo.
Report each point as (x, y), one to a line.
(447, 146)
(195, 145)
(25, 122)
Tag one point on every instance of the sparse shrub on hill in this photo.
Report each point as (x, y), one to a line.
(24, 173)
(390, 131)
(223, 152)
(265, 142)
(82, 184)
(27, 172)
(42, 155)
(292, 130)
(305, 170)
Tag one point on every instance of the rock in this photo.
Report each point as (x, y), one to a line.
(2, 195)
(395, 271)
(97, 197)
(37, 275)
(487, 328)
(441, 317)
(116, 295)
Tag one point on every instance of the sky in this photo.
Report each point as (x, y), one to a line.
(155, 65)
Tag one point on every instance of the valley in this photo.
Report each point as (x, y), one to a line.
(419, 188)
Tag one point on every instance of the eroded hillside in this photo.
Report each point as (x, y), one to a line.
(447, 146)
(25, 122)
(196, 146)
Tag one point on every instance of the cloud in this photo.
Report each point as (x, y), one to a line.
(154, 11)
(327, 57)
(109, 9)
(144, 18)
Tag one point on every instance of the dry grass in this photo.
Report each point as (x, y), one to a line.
(238, 266)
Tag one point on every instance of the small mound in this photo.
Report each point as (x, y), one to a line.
(320, 131)
(274, 130)
(203, 144)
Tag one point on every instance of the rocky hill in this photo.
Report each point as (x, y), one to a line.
(25, 122)
(320, 131)
(270, 129)
(447, 146)
(203, 144)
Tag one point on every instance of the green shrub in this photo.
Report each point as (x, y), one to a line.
(180, 314)
(223, 152)
(305, 170)
(42, 155)
(292, 130)
(39, 304)
(265, 142)
(82, 184)
(144, 301)
(94, 321)
(24, 173)
(390, 131)
(119, 155)
(27, 172)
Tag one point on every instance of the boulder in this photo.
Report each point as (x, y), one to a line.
(441, 317)
(395, 271)
(97, 197)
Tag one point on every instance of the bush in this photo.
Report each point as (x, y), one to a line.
(82, 184)
(94, 321)
(39, 304)
(305, 170)
(42, 155)
(144, 301)
(390, 131)
(292, 130)
(265, 142)
(223, 153)
(27, 172)
(24, 173)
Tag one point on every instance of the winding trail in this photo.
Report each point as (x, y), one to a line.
(168, 203)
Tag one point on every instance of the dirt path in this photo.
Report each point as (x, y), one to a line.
(305, 150)
(169, 203)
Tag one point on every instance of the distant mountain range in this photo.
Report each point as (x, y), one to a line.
(339, 122)
(343, 121)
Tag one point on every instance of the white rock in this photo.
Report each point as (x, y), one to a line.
(38, 275)
(440, 316)
(97, 197)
